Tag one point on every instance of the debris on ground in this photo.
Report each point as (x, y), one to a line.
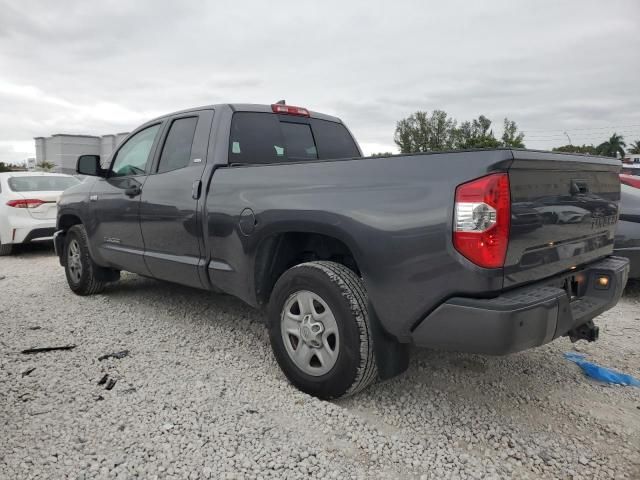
(108, 383)
(28, 372)
(117, 355)
(602, 374)
(47, 349)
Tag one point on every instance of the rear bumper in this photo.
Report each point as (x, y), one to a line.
(18, 230)
(45, 233)
(524, 317)
(633, 254)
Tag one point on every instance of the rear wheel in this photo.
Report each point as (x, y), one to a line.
(83, 275)
(319, 330)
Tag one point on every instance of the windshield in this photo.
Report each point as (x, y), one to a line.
(44, 183)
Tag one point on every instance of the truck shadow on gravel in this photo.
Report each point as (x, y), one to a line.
(430, 366)
(135, 287)
(535, 375)
(632, 290)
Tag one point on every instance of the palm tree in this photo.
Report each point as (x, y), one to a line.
(635, 147)
(45, 166)
(612, 147)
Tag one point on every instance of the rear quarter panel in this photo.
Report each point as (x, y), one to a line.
(394, 213)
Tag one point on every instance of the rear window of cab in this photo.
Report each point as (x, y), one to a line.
(263, 138)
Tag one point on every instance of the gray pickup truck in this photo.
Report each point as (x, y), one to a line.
(354, 259)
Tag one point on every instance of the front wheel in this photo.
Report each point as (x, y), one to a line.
(83, 275)
(320, 331)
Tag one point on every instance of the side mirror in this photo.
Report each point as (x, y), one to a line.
(90, 165)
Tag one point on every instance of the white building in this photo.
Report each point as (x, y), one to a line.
(63, 149)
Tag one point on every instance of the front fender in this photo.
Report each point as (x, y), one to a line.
(67, 217)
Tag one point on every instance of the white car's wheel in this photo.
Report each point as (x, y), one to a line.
(5, 249)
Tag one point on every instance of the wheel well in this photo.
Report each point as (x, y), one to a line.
(277, 253)
(67, 221)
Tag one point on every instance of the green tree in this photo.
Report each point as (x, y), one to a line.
(4, 167)
(635, 147)
(612, 147)
(586, 149)
(421, 132)
(476, 134)
(511, 137)
(45, 166)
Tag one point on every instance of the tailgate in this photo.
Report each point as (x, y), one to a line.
(564, 210)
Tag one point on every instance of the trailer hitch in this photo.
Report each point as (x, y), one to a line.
(587, 331)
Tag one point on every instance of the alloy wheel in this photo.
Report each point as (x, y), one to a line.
(74, 262)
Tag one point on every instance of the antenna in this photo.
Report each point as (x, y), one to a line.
(281, 102)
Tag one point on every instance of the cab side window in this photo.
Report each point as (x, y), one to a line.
(176, 152)
(256, 138)
(260, 137)
(132, 157)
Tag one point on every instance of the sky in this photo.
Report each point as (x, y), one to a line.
(98, 67)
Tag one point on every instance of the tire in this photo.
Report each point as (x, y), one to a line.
(311, 359)
(79, 268)
(5, 249)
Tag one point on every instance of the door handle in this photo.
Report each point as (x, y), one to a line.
(133, 191)
(195, 190)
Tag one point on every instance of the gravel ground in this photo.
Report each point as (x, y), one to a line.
(200, 396)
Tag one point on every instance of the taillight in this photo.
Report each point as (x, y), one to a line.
(25, 203)
(481, 220)
(289, 110)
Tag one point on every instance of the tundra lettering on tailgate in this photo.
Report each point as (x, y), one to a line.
(599, 222)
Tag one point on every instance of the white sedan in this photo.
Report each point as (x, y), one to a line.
(28, 206)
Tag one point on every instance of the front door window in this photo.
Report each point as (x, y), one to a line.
(132, 157)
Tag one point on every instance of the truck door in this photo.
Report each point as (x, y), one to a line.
(114, 203)
(170, 220)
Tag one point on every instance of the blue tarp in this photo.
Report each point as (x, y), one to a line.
(602, 374)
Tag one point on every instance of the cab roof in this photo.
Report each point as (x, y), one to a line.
(243, 107)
